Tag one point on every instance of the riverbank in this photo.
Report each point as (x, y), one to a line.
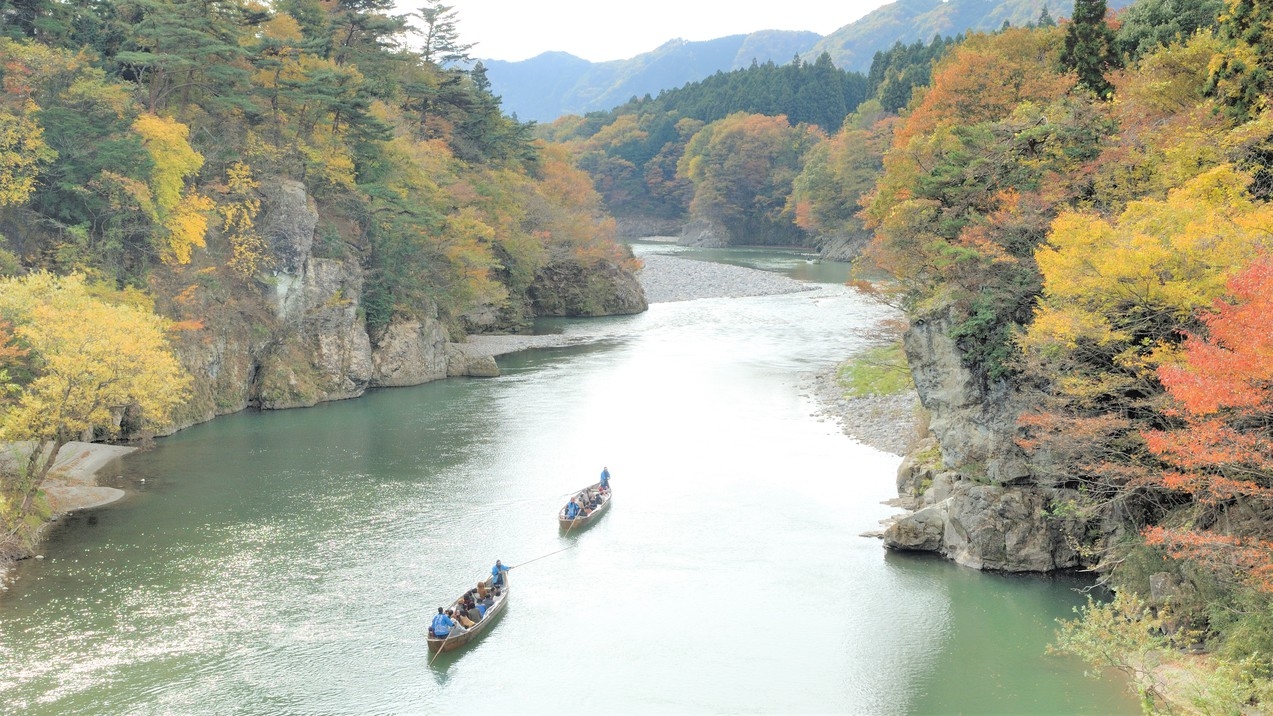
(889, 423)
(71, 486)
(664, 279)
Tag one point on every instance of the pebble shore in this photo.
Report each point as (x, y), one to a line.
(668, 278)
(888, 423)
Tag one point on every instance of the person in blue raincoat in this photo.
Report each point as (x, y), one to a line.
(497, 573)
(441, 627)
(605, 478)
(572, 509)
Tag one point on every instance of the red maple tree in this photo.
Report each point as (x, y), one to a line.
(1222, 455)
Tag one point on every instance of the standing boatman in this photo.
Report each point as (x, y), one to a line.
(497, 573)
(605, 478)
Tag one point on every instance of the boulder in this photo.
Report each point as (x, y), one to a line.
(705, 233)
(920, 531)
(1008, 529)
(1163, 587)
(461, 362)
(568, 288)
(409, 353)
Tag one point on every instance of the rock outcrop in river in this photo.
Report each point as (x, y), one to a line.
(974, 494)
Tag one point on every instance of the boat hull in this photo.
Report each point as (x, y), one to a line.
(457, 641)
(580, 522)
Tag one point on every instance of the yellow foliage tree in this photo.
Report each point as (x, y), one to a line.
(181, 211)
(90, 360)
(466, 244)
(22, 150)
(248, 252)
(1119, 292)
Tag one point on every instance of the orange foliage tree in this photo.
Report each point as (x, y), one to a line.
(1222, 455)
(742, 168)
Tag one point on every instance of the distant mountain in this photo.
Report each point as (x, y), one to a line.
(556, 83)
(853, 46)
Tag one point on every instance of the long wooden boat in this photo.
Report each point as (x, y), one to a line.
(454, 641)
(583, 520)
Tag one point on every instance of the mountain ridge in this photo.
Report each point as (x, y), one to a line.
(556, 83)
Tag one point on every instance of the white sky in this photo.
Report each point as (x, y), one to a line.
(600, 30)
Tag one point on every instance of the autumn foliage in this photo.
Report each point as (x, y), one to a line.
(1222, 454)
(86, 362)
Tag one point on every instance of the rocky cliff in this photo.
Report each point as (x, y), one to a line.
(303, 339)
(974, 496)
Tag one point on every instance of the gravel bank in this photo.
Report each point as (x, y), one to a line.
(889, 423)
(668, 278)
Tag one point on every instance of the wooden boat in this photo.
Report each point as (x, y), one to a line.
(583, 520)
(454, 641)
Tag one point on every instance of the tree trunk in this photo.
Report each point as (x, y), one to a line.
(38, 469)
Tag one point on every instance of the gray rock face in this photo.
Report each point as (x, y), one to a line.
(1163, 587)
(304, 339)
(461, 362)
(567, 288)
(409, 353)
(288, 222)
(844, 247)
(973, 425)
(1008, 529)
(920, 531)
(636, 227)
(986, 503)
(705, 233)
(324, 352)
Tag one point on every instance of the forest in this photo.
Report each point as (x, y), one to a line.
(1087, 201)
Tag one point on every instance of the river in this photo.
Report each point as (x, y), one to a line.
(288, 562)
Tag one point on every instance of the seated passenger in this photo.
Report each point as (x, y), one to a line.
(459, 627)
(572, 509)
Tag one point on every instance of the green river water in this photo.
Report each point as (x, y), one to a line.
(288, 562)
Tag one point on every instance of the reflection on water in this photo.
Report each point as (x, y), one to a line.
(288, 562)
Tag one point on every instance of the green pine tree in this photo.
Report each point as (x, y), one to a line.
(1089, 46)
